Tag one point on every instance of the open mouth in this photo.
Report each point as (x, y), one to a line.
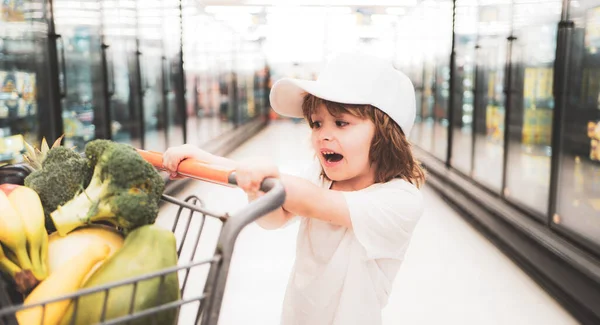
(332, 157)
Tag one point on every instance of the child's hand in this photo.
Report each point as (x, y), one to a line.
(175, 155)
(250, 174)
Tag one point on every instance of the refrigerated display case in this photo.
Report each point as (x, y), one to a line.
(442, 15)
(205, 57)
(465, 70)
(227, 105)
(152, 64)
(489, 112)
(578, 194)
(261, 88)
(538, 104)
(24, 97)
(18, 104)
(414, 70)
(13, 11)
(526, 85)
(426, 138)
(440, 108)
(174, 76)
(119, 27)
(197, 56)
(114, 70)
(494, 26)
(464, 102)
(427, 64)
(528, 149)
(79, 27)
(247, 65)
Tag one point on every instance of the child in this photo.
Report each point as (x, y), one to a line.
(360, 202)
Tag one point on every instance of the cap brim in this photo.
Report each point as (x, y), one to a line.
(287, 95)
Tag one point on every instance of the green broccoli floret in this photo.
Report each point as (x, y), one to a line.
(63, 175)
(95, 149)
(124, 190)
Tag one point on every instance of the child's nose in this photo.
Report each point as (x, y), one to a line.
(326, 135)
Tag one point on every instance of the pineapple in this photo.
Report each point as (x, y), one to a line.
(34, 156)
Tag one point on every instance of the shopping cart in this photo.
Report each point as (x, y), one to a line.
(205, 306)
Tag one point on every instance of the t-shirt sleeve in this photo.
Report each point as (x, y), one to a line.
(384, 216)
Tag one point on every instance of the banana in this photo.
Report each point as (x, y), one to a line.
(12, 232)
(11, 256)
(24, 279)
(65, 280)
(28, 206)
(7, 266)
(62, 249)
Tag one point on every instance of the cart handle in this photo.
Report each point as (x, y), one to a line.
(201, 170)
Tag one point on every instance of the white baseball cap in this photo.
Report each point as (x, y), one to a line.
(352, 78)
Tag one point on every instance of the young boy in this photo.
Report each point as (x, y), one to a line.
(360, 201)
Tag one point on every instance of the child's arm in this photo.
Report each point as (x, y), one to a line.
(303, 198)
(306, 199)
(173, 156)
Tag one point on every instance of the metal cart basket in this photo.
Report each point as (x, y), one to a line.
(202, 308)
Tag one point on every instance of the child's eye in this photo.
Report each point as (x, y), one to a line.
(341, 123)
(316, 125)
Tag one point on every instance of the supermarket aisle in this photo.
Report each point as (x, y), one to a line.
(451, 275)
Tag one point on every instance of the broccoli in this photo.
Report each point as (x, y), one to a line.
(64, 173)
(124, 190)
(95, 149)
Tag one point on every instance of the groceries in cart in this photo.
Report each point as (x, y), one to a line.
(82, 221)
(121, 188)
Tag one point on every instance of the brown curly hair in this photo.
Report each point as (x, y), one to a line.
(390, 152)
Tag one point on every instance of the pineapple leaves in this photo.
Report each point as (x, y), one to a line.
(57, 142)
(44, 146)
(34, 156)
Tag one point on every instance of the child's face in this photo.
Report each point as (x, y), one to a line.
(342, 144)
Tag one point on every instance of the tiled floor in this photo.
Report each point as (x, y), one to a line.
(451, 275)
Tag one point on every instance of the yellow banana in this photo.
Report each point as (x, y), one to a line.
(62, 248)
(28, 206)
(12, 232)
(65, 280)
(11, 256)
(24, 279)
(7, 266)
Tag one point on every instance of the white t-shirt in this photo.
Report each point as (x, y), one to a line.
(344, 276)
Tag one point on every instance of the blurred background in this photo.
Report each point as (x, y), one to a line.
(508, 97)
